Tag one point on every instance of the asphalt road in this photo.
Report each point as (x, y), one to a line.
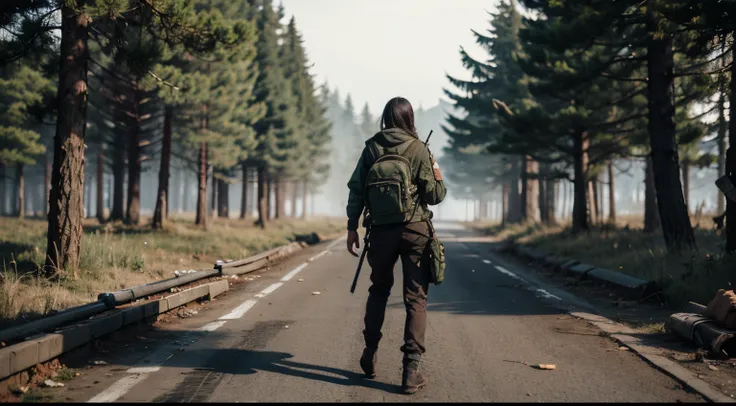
(275, 341)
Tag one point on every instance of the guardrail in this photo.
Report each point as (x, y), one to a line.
(45, 339)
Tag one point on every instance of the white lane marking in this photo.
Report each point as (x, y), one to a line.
(507, 272)
(143, 370)
(271, 288)
(213, 326)
(485, 261)
(547, 294)
(239, 311)
(118, 389)
(293, 273)
(318, 255)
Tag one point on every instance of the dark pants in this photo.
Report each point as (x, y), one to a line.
(387, 244)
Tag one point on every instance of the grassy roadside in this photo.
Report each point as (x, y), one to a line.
(628, 249)
(115, 256)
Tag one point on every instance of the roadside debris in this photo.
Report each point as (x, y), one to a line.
(52, 384)
(712, 367)
(186, 313)
(622, 348)
(711, 327)
(316, 293)
(300, 280)
(548, 367)
(99, 362)
(19, 390)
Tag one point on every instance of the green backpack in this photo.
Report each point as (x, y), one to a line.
(390, 187)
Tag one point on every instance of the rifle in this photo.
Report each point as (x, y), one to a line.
(366, 239)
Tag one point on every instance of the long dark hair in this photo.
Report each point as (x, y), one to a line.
(398, 113)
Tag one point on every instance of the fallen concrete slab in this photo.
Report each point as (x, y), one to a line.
(633, 286)
(580, 270)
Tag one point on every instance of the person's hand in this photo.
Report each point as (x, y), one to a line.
(353, 240)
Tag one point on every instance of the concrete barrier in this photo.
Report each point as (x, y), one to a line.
(564, 267)
(634, 286)
(580, 270)
(19, 357)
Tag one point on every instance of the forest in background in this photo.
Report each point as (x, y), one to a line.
(573, 97)
(205, 92)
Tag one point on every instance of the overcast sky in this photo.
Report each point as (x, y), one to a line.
(378, 49)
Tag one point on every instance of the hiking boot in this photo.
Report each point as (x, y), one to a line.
(368, 362)
(412, 380)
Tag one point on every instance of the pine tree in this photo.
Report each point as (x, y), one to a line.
(22, 92)
(170, 20)
(311, 163)
(368, 124)
(277, 131)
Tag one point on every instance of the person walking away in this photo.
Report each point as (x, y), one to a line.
(395, 180)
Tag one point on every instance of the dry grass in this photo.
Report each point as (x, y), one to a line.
(115, 256)
(682, 276)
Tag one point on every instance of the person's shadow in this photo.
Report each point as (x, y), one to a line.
(245, 362)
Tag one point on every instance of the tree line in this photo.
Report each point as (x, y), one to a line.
(570, 87)
(222, 87)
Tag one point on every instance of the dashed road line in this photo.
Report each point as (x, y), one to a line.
(239, 311)
(140, 373)
(509, 273)
(547, 295)
(319, 255)
(118, 389)
(213, 326)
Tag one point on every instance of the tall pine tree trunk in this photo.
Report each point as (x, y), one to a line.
(596, 201)
(551, 202)
(223, 199)
(67, 183)
(686, 183)
(160, 213)
(213, 198)
(580, 200)
(542, 198)
(678, 233)
(118, 168)
(269, 196)
(530, 193)
(262, 197)
(305, 192)
(651, 215)
(505, 203)
(201, 219)
(722, 143)
(46, 182)
(611, 195)
(21, 184)
(731, 159)
(730, 204)
(244, 193)
(100, 184)
(565, 192)
(3, 191)
(514, 196)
